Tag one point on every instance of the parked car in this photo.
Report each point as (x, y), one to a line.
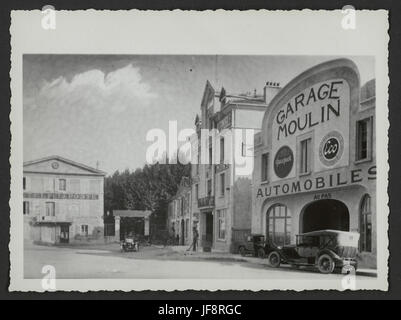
(324, 249)
(255, 245)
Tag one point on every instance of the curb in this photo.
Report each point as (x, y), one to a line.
(360, 272)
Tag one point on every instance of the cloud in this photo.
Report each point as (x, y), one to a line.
(116, 91)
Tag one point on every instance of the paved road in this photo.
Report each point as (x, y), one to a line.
(150, 262)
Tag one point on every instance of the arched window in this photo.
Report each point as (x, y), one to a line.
(365, 225)
(279, 224)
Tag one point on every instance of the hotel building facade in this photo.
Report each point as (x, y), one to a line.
(221, 188)
(315, 160)
(63, 201)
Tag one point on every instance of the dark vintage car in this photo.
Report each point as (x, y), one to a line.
(255, 245)
(130, 243)
(325, 249)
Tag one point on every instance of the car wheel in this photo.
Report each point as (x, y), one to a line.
(242, 251)
(274, 259)
(326, 264)
(261, 253)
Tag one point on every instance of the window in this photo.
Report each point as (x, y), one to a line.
(363, 139)
(24, 183)
(307, 241)
(198, 158)
(84, 230)
(221, 150)
(175, 209)
(279, 225)
(209, 187)
(210, 151)
(186, 228)
(222, 184)
(265, 163)
(62, 184)
(365, 241)
(197, 191)
(26, 207)
(221, 219)
(305, 156)
(50, 209)
(182, 203)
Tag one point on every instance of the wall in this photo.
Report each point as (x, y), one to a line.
(242, 203)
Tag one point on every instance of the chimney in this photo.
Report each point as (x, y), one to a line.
(270, 90)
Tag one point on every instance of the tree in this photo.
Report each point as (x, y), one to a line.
(147, 188)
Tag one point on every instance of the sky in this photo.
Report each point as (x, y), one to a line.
(97, 109)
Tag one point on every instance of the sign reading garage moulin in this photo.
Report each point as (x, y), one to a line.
(315, 168)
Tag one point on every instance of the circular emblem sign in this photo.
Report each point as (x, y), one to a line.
(55, 165)
(331, 148)
(283, 162)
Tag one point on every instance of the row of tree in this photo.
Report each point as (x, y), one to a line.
(147, 188)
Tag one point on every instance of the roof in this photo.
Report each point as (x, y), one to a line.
(327, 231)
(132, 213)
(71, 162)
(209, 93)
(368, 90)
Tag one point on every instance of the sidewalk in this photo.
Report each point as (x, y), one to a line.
(226, 256)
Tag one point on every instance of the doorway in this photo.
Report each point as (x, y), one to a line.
(182, 235)
(209, 227)
(64, 233)
(207, 231)
(324, 214)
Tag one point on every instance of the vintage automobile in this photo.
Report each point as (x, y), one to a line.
(130, 243)
(254, 244)
(325, 249)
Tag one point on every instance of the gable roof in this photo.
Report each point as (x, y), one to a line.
(67, 161)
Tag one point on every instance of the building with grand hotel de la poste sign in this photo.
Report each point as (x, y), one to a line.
(315, 161)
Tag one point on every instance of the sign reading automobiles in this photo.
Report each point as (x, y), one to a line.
(310, 111)
(283, 162)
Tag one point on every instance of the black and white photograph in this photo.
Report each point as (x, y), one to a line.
(154, 169)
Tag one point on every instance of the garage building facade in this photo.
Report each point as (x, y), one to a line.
(315, 161)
